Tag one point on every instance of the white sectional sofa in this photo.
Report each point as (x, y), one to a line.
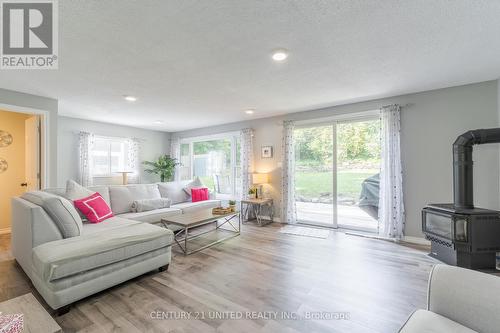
(101, 255)
(459, 300)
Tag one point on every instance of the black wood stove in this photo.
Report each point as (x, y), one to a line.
(460, 233)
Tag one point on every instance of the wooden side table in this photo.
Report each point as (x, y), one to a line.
(256, 206)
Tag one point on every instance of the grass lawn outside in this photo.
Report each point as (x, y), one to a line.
(312, 183)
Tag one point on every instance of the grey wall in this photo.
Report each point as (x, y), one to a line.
(152, 143)
(430, 124)
(20, 102)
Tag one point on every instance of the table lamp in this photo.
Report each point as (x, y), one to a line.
(125, 176)
(260, 179)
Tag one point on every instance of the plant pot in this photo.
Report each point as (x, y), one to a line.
(233, 208)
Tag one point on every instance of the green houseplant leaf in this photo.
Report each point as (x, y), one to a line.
(164, 167)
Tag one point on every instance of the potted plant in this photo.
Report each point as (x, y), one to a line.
(164, 167)
(232, 205)
(252, 193)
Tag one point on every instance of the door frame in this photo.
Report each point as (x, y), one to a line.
(333, 121)
(44, 138)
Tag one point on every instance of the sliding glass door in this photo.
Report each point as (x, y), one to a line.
(315, 190)
(336, 173)
(215, 160)
(358, 167)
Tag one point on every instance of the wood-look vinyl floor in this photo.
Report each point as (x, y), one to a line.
(273, 281)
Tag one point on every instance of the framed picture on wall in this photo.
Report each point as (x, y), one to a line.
(266, 152)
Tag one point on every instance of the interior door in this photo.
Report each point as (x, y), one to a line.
(32, 154)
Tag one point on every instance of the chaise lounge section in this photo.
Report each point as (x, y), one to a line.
(67, 263)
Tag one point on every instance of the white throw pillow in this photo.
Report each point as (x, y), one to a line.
(75, 191)
(174, 191)
(123, 196)
(61, 210)
(145, 205)
(196, 183)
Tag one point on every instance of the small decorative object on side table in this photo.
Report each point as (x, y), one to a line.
(258, 180)
(252, 193)
(255, 206)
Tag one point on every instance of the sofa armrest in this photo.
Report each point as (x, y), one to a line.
(31, 226)
(468, 297)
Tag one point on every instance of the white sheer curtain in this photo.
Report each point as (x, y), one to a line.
(391, 208)
(85, 144)
(133, 162)
(246, 159)
(175, 152)
(288, 206)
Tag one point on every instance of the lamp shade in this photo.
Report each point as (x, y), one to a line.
(260, 178)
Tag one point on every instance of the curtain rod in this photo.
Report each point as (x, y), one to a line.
(403, 106)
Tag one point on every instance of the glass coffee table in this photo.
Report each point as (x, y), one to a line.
(181, 224)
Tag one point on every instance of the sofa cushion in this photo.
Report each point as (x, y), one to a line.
(188, 207)
(151, 216)
(199, 194)
(75, 191)
(174, 191)
(145, 205)
(98, 273)
(122, 197)
(67, 257)
(427, 321)
(107, 225)
(196, 183)
(94, 208)
(38, 197)
(60, 191)
(60, 210)
(103, 191)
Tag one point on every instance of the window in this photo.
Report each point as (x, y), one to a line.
(215, 160)
(109, 155)
(185, 167)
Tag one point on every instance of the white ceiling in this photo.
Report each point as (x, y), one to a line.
(200, 63)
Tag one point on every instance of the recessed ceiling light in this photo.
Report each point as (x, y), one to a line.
(158, 122)
(249, 111)
(130, 98)
(280, 55)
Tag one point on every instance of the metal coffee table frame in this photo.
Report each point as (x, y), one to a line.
(185, 231)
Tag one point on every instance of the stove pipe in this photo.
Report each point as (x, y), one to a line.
(463, 197)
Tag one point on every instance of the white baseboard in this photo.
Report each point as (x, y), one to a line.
(5, 231)
(417, 240)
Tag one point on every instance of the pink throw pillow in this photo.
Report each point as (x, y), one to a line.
(199, 194)
(94, 208)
